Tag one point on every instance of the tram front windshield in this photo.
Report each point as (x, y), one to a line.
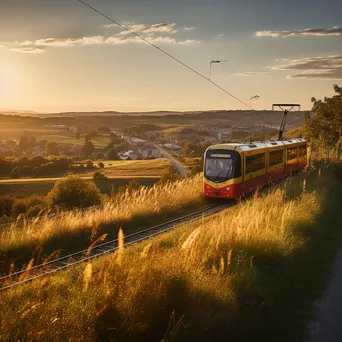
(220, 165)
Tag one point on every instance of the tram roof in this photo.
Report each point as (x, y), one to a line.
(247, 146)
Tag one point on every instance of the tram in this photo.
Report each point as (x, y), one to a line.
(235, 170)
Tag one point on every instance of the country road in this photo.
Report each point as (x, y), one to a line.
(181, 169)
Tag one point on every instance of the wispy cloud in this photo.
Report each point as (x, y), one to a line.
(189, 28)
(149, 32)
(329, 67)
(320, 32)
(32, 50)
(251, 74)
(140, 28)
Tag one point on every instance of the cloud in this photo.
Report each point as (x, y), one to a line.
(32, 50)
(335, 31)
(40, 44)
(149, 32)
(251, 73)
(189, 28)
(139, 28)
(329, 67)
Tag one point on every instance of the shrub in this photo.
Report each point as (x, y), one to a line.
(35, 210)
(196, 169)
(90, 164)
(171, 175)
(73, 192)
(34, 200)
(19, 207)
(100, 156)
(133, 185)
(6, 203)
(99, 175)
(101, 165)
(15, 174)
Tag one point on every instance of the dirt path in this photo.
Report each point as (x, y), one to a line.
(328, 327)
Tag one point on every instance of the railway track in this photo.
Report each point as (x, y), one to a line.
(38, 271)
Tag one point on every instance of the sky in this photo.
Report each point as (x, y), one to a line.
(62, 56)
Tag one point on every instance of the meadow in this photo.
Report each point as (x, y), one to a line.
(75, 230)
(248, 273)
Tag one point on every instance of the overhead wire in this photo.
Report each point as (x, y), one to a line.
(238, 78)
(163, 51)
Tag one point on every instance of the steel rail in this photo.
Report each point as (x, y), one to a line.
(61, 263)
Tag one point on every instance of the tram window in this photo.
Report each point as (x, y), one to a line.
(302, 150)
(276, 157)
(255, 163)
(291, 153)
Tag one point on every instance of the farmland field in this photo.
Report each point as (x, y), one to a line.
(43, 186)
(146, 172)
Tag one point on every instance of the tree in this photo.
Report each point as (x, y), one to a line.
(88, 148)
(78, 135)
(51, 148)
(112, 154)
(24, 143)
(324, 128)
(337, 89)
(74, 192)
(33, 142)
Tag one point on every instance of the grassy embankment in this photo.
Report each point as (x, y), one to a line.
(249, 273)
(76, 230)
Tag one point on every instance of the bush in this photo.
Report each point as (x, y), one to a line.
(35, 210)
(15, 174)
(101, 165)
(90, 164)
(196, 169)
(171, 175)
(100, 156)
(34, 200)
(99, 175)
(73, 192)
(133, 185)
(6, 203)
(19, 207)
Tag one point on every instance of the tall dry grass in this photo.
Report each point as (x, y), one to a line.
(143, 202)
(185, 285)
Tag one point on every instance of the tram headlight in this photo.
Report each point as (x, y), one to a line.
(208, 187)
(228, 188)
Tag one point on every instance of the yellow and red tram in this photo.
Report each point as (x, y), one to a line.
(236, 170)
